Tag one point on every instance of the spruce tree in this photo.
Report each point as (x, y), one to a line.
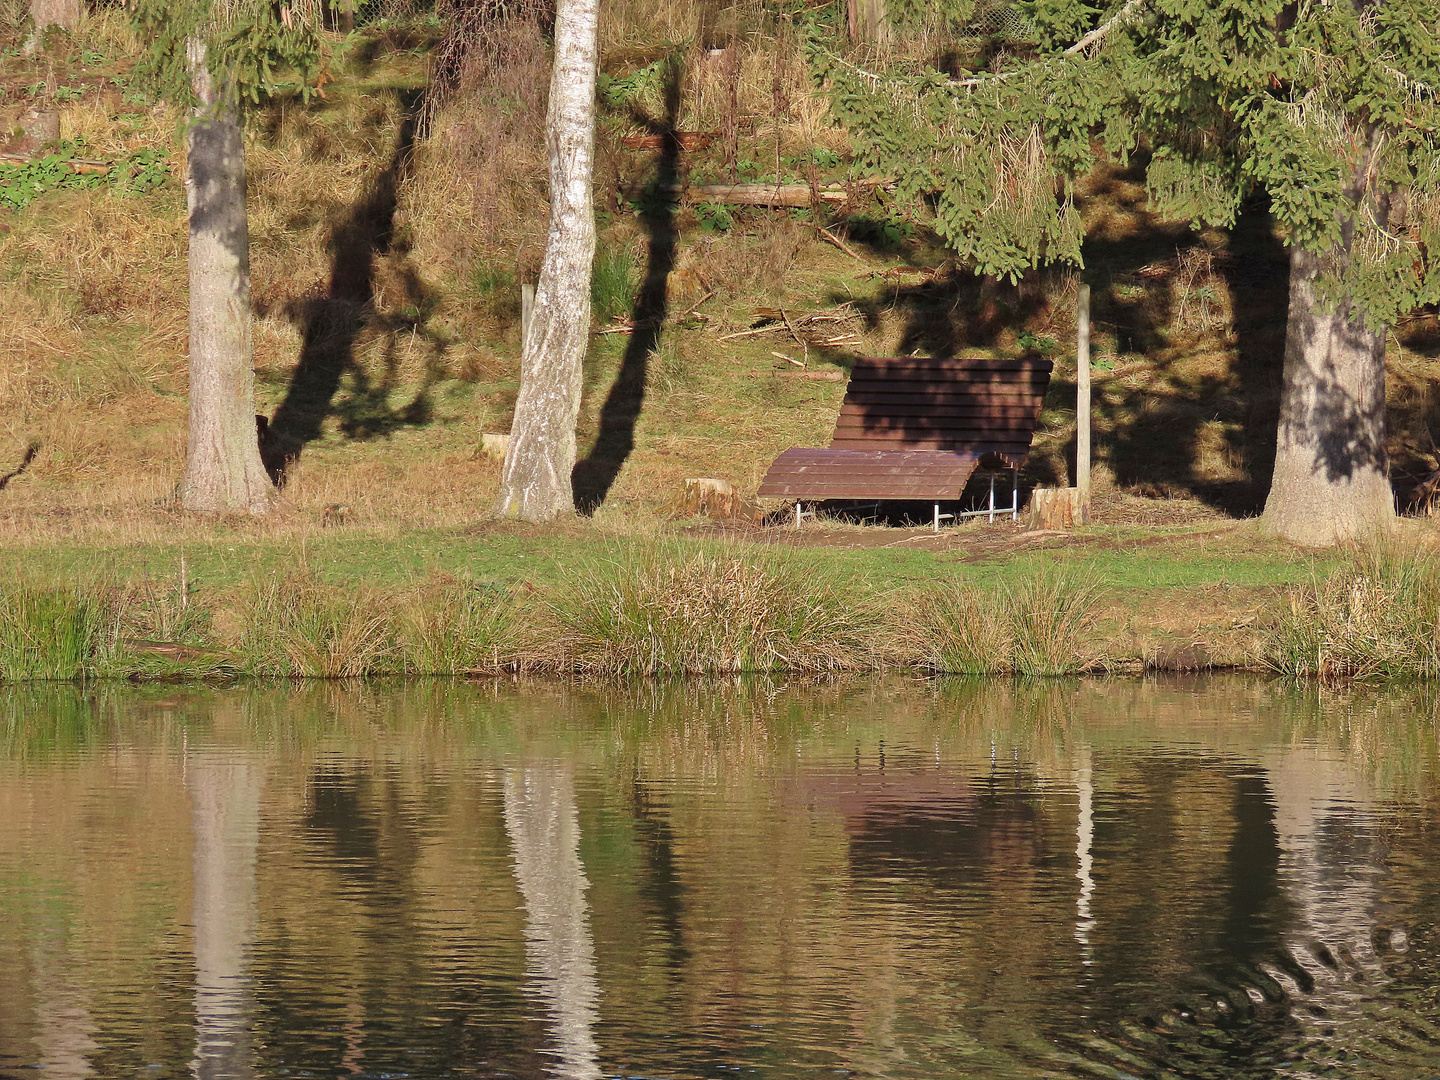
(1327, 106)
(216, 57)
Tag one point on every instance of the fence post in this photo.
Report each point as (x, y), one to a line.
(1082, 399)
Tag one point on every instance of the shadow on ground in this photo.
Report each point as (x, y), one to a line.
(595, 474)
(333, 324)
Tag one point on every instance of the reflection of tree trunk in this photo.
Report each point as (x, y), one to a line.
(544, 829)
(225, 799)
(63, 1023)
(1329, 867)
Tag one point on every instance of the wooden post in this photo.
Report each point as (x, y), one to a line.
(1082, 394)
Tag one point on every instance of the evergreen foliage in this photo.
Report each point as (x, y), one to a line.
(254, 49)
(1330, 108)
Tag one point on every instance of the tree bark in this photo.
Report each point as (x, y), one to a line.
(223, 470)
(47, 13)
(535, 484)
(1331, 481)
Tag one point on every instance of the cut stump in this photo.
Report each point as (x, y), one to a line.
(1058, 508)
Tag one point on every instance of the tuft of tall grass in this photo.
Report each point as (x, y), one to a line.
(1378, 616)
(50, 632)
(664, 610)
(613, 281)
(454, 628)
(1038, 628)
(296, 626)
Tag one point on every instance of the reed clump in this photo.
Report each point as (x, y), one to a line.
(296, 626)
(1040, 627)
(719, 611)
(1377, 617)
(52, 632)
(451, 627)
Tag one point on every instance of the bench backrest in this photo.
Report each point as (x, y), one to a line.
(984, 405)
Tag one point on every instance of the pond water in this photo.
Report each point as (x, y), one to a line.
(1204, 878)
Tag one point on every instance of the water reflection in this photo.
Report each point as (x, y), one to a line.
(544, 829)
(1222, 878)
(225, 794)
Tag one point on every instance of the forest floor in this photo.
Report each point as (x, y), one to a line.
(385, 282)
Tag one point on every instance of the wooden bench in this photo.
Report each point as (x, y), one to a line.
(917, 429)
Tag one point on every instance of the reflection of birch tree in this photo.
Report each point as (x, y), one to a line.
(225, 808)
(544, 829)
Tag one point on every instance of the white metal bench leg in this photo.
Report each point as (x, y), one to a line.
(1014, 494)
(991, 518)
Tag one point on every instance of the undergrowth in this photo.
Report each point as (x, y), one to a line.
(1037, 628)
(1377, 617)
(662, 611)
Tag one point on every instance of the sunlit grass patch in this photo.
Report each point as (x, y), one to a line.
(293, 625)
(453, 627)
(1377, 617)
(54, 632)
(1035, 627)
(667, 610)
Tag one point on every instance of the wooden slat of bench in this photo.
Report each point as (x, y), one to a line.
(868, 474)
(917, 428)
(975, 366)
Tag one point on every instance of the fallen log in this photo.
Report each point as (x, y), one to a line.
(797, 195)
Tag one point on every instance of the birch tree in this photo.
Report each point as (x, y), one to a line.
(216, 57)
(535, 484)
(1329, 108)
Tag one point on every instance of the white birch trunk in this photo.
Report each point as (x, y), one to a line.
(225, 798)
(223, 471)
(544, 829)
(1331, 481)
(535, 483)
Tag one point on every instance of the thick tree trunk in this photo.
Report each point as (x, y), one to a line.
(46, 13)
(223, 470)
(1331, 481)
(535, 484)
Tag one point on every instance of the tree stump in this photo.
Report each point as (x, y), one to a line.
(1057, 508)
(705, 496)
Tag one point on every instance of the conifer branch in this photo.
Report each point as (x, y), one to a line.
(1094, 37)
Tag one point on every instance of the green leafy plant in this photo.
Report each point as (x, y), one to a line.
(713, 217)
(613, 281)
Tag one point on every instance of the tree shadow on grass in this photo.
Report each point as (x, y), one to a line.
(1195, 425)
(332, 325)
(595, 474)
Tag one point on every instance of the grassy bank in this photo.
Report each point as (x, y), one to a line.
(587, 602)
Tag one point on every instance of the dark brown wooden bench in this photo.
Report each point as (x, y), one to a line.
(917, 429)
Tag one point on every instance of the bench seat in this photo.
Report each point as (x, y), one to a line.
(917, 428)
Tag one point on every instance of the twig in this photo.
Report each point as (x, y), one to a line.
(826, 234)
(796, 335)
(691, 309)
(788, 359)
